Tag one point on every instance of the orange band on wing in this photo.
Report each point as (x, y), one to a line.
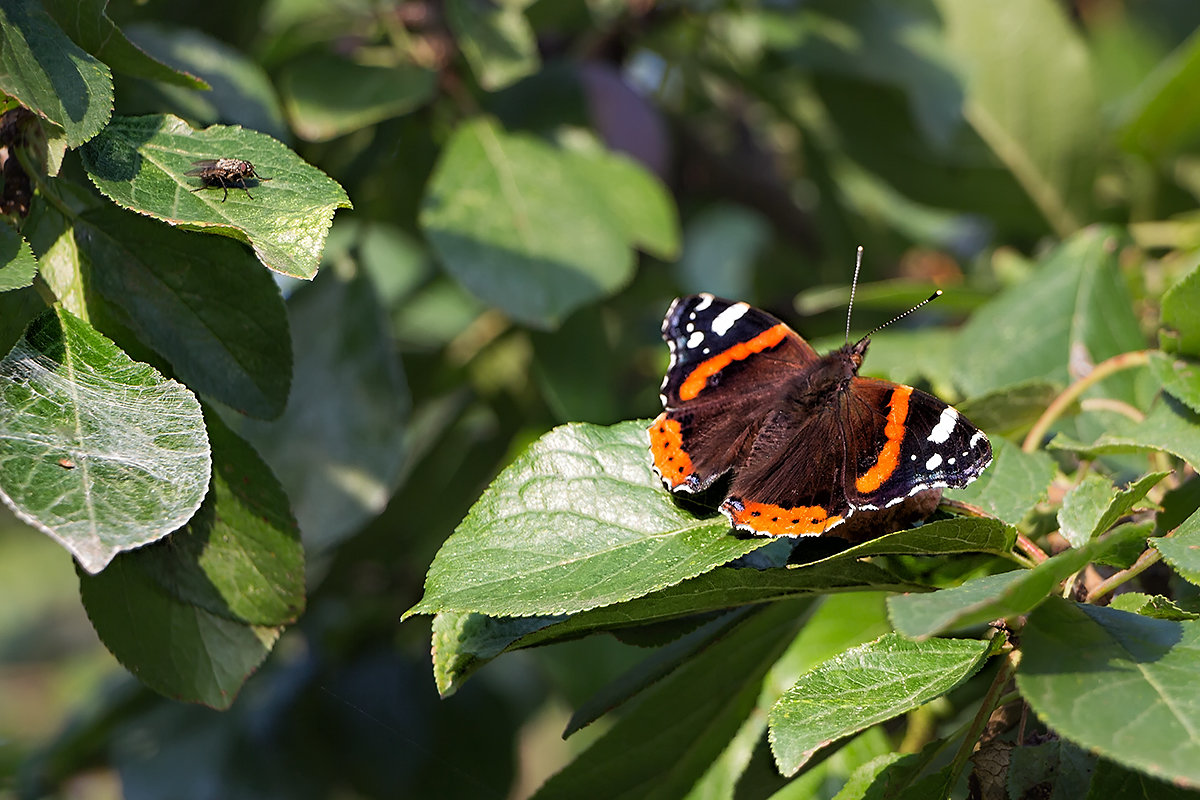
(698, 378)
(666, 445)
(780, 521)
(889, 457)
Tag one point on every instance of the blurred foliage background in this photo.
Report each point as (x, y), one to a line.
(953, 140)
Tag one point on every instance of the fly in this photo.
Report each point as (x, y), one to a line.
(224, 173)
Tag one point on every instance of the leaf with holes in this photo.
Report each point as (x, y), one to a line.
(141, 163)
(100, 452)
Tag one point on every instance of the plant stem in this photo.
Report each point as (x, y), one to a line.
(1147, 559)
(991, 702)
(1101, 371)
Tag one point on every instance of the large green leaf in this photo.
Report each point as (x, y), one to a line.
(1084, 668)
(87, 22)
(864, 686)
(327, 96)
(98, 451)
(665, 743)
(1075, 306)
(1030, 96)
(1182, 549)
(49, 74)
(140, 163)
(1179, 378)
(578, 521)
(204, 303)
(521, 226)
(1169, 427)
(339, 445)
(1004, 595)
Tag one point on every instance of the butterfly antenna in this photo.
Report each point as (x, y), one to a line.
(853, 286)
(899, 317)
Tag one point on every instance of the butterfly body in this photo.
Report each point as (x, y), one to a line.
(811, 448)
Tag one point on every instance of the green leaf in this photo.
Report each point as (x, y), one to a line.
(1005, 595)
(240, 556)
(464, 642)
(496, 39)
(339, 445)
(1074, 307)
(1147, 605)
(1029, 95)
(1179, 378)
(1111, 780)
(50, 75)
(720, 247)
(1180, 311)
(577, 521)
(242, 93)
(1182, 549)
(88, 24)
(99, 452)
(512, 220)
(17, 264)
(1169, 427)
(1085, 667)
(1053, 769)
(204, 304)
(140, 164)
(1011, 410)
(327, 96)
(177, 649)
(1014, 483)
(864, 686)
(1093, 507)
(639, 199)
(664, 744)
(1163, 114)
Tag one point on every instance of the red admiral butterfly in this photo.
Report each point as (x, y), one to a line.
(813, 448)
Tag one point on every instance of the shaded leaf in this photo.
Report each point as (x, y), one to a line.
(1075, 306)
(88, 24)
(1040, 119)
(864, 686)
(1054, 770)
(204, 305)
(496, 39)
(99, 452)
(1004, 595)
(664, 744)
(1077, 658)
(1112, 780)
(511, 219)
(1093, 506)
(1014, 483)
(17, 264)
(50, 75)
(1010, 410)
(326, 96)
(1163, 113)
(241, 92)
(1179, 378)
(240, 556)
(720, 247)
(339, 445)
(208, 657)
(141, 163)
(1180, 311)
(578, 521)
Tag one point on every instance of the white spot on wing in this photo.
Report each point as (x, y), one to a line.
(979, 435)
(695, 339)
(705, 302)
(726, 318)
(945, 426)
(934, 462)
